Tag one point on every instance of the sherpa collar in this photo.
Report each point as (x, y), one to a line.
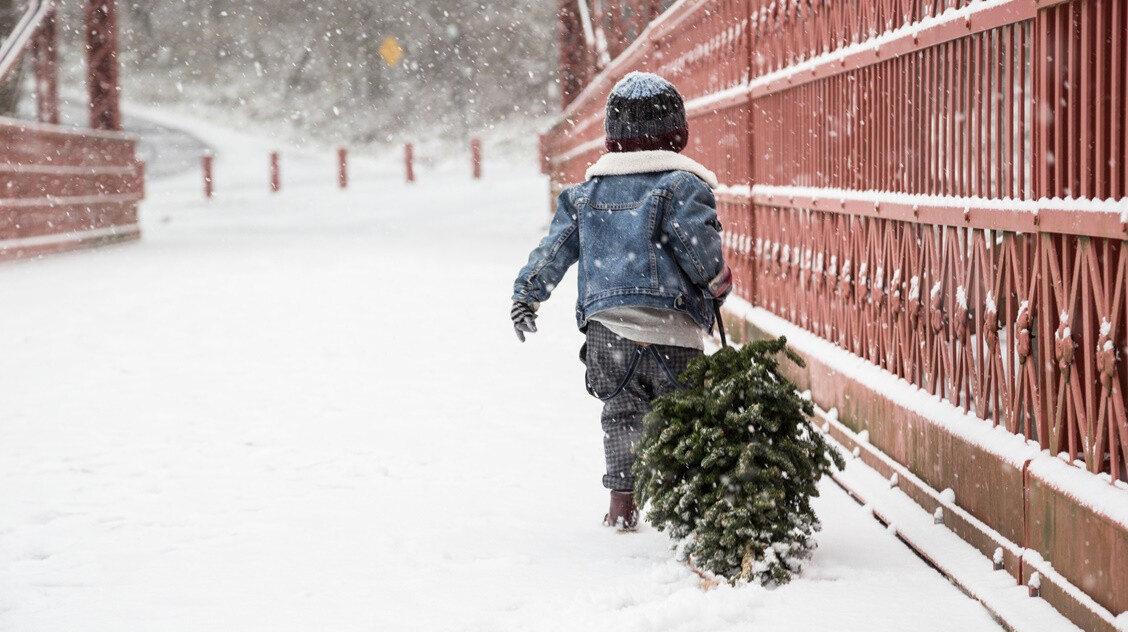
(623, 163)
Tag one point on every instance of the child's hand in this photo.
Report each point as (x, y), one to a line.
(524, 318)
(720, 286)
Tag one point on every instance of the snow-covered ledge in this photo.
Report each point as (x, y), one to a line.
(1001, 493)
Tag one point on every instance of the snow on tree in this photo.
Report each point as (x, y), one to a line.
(729, 466)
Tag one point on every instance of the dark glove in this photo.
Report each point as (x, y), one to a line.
(721, 299)
(524, 318)
(721, 286)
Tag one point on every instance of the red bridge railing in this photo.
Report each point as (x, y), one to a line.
(937, 186)
(63, 188)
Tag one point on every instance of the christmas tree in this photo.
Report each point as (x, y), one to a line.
(729, 466)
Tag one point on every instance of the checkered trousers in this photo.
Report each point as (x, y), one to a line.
(608, 357)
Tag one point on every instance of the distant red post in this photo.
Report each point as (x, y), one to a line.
(476, 157)
(208, 187)
(544, 153)
(409, 159)
(343, 167)
(275, 176)
(139, 173)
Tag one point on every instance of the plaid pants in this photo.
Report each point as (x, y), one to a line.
(608, 357)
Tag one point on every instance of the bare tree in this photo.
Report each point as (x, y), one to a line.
(318, 63)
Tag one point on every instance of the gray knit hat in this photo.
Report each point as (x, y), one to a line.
(644, 111)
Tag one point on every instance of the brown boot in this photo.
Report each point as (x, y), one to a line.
(623, 513)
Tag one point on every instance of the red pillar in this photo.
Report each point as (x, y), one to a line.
(275, 175)
(102, 80)
(574, 61)
(343, 168)
(46, 56)
(476, 157)
(209, 188)
(409, 159)
(614, 34)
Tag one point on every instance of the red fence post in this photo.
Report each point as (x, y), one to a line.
(476, 157)
(408, 159)
(102, 64)
(544, 154)
(343, 167)
(209, 190)
(139, 173)
(275, 176)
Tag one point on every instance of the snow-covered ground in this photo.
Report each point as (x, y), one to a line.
(308, 411)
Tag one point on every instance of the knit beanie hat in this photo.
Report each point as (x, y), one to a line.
(644, 111)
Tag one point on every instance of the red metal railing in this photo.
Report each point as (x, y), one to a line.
(63, 188)
(13, 44)
(938, 186)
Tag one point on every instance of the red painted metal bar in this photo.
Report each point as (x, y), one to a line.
(575, 68)
(44, 48)
(206, 162)
(139, 171)
(102, 64)
(275, 173)
(343, 167)
(15, 44)
(544, 155)
(611, 21)
(409, 162)
(62, 188)
(476, 157)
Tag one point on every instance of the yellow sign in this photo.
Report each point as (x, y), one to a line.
(391, 51)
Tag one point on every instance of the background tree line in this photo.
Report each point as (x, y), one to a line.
(467, 64)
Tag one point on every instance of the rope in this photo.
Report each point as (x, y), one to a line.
(720, 323)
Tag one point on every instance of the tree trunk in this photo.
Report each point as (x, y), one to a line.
(10, 11)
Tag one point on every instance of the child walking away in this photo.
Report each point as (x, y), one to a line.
(644, 230)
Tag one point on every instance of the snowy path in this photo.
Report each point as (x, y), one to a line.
(309, 412)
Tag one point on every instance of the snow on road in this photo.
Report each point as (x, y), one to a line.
(308, 411)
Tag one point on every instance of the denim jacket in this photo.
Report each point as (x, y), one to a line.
(644, 230)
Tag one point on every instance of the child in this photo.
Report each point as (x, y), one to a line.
(644, 230)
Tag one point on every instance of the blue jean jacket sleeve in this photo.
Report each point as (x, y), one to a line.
(551, 259)
(694, 234)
